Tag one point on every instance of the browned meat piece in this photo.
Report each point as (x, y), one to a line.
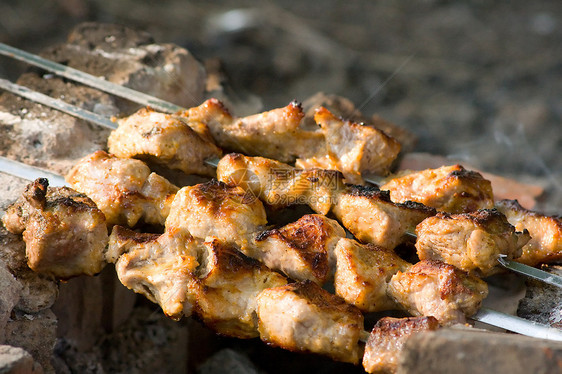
(279, 184)
(164, 139)
(280, 134)
(276, 133)
(470, 241)
(215, 209)
(226, 288)
(124, 189)
(357, 148)
(451, 189)
(160, 267)
(370, 215)
(387, 338)
(328, 162)
(303, 317)
(545, 244)
(433, 288)
(363, 272)
(65, 233)
(302, 249)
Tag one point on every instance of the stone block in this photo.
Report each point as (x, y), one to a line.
(478, 352)
(14, 360)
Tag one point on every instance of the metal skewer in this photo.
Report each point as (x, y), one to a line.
(57, 104)
(89, 80)
(531, 272)
(487, 316)
(95, 82)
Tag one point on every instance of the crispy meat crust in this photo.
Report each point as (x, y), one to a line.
(302, 249)
(433, 288)
(545, 244)
(470, 241)
(64, 231)
(303, 317)
(451, 189)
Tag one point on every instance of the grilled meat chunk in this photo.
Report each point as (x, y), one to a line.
(470, 241)
(281, 185)
(328, 162)
(302, 249)
(160, 267)
(226, 288)
(357, 148)
(276, 133)
(370, 215)
(433, 288)
(215, 209)
(280, 134)
(164, 139)
(303, 317)
(124, 189)
(545, 244)
(363, 272)
(65, 233)
(387, 338)
(451, 189)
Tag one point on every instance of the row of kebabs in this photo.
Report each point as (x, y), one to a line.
(195, 266)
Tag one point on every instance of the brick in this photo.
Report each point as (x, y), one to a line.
(15, 360)
(36, 333)
(9, 296)
(478, 352)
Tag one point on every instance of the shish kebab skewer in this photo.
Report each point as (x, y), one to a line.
(92, 117)
(491, 317)
(69, 73)
(281, 133)
(165, 269)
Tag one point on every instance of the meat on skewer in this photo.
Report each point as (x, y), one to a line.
(470, 241)
(303, 249)
(280, 134)
(376, 279)
(433, 288)
(451, 189)
(352, 148)
(545, 244)
(226, 289)
(159, 267)
(303, 317)
(165, 139)
(215, 209)
(65, 233)
(363, 272)
(125, 190)
(367, 212)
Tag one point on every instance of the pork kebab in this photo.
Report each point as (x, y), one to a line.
(186, 139)
(231, 293)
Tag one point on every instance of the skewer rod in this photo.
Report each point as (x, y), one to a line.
(531, 272)
(21, 170)
(89, 80)
(57, 104)
(516, 324)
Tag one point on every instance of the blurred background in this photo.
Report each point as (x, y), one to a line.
(475, 81)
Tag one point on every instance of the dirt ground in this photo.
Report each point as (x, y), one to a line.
(476, 81)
